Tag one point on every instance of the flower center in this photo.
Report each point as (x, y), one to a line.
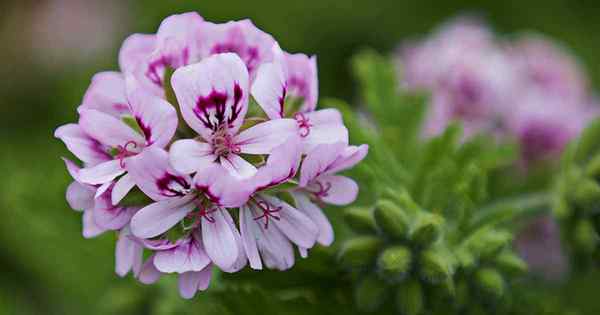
(123, 152)
(269, 212)
(223, 143)
(303, 124)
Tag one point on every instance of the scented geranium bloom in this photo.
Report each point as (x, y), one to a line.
(213, 97)
(169, 191)
(288, 87)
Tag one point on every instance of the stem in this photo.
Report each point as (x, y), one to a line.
(511, 208)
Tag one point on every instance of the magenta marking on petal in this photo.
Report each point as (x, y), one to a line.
(153, 69)
(282, 101)
(303, 124)
(216, 100)
(323, 190)
(206, 191)
(145, 129)
(172, 186)
(236, 109)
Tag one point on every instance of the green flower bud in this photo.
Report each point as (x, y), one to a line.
(584, 236)
(360, 220)
(436, 265)
(391, 219)
(409, 298)
(427, 228)
(360, 251)
(370, 293)
(587, 193)
(593, 167)
(510, 263)
(486, 243)
(490, 282)
(394, 263)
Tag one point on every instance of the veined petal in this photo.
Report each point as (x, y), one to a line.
(192, 282)
(151, 172)
(275, 248)
(325, 127)
(81, 145)
(80, 196)
(220, 240)
(213, 94)
(237, 166)
(242, 259)
(264, 137)
(107, 129)
(187, 256)
(302, 79)
(106, 94)
(128, 254)
(249, 236)
(339, 190)
(156, 117)
(269, 89)
(351, 156)
(136, 49)
(160, 216)
(177, 39)
(304, 205)
(102, 173)
(282, 164)
(148, 273)
(90, 228)
(188, 156)
(296, 226)
(109, 216)
(121, 188)
(222, 188)
(319, 160)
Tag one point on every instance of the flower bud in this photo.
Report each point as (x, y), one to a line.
(427, 228)
(490, 282)
(360, 251)
(587, 193)
(486, 243)
(394, 263)
(584, 236)
(360, 220)
(370, 293)
(391, 219)
(436, 265)
(593, 167)
(409, 298)
(510, 263)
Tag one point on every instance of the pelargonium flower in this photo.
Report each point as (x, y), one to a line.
(171, 147)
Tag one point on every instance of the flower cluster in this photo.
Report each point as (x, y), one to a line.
(206, 151)
(528, 89)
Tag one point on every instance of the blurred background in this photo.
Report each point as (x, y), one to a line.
(51, 49)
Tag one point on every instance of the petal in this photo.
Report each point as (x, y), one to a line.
(276, 250)
(177, 39)
(342, 190)
(296, 226)
(269, 89)
(264, 137)
(107, 129)
(101, 173)
(80, 197)
(351, 156)
(302, 79)
(241, 260)
(81, 145)
(222, 188)
(102, 189)
(303, 252)
(213, 94)
(318, 160)
(237, 166)
(249, 236)
(304, 205)
(160, 216)
(220, 240)
(156, 117)
(326, 127)
(106, 94)
(90, 228)
(111, 217)
(151, 172)
(72, 168)
(188, 156)
(191, 282)
(121, 188)
(148, 273)
(128, 253)
(188, 256)
(282, 164)
(244, 39)
(135, 49)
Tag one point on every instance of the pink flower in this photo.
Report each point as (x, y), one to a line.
(291, 79)
(213, 96)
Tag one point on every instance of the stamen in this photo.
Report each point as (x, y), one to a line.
(268, 212)
(323, 190)
(223, 143)
(303, 123)
(123, 152)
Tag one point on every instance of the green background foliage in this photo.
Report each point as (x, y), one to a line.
(47, 267)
